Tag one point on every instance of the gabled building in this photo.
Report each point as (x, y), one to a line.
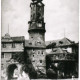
(63, 52)
(64, 44)
(10, 46)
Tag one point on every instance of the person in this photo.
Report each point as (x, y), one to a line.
(23, 76)
(51, 73)
(16, 73)
(73, 77)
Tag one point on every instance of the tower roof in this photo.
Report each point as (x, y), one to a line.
(37, 0)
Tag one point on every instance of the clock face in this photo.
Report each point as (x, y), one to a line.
(39, 4)
(40, 25)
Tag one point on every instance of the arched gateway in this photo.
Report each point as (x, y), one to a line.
(10, 71)
(13, 70)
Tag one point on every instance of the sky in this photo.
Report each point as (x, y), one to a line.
(60, 16)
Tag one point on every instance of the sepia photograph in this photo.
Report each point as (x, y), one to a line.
(39, 39)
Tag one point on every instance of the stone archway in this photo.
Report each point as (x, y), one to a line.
(10, 71)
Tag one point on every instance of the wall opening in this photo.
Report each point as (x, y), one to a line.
(10, 71)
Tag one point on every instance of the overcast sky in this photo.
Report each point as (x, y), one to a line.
(61, 16)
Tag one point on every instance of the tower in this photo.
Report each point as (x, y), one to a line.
(36, 48)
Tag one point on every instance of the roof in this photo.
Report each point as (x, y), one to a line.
(58, 54)
(19, 38)
(58, 51)
(33, 44)
(7, 38)
(60, 42)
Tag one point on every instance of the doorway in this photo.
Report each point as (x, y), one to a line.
(10, 71)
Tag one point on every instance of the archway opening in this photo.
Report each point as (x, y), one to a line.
(10, 71)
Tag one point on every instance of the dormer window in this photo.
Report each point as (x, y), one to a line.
(61, 42)
(54, 50)
(39, 42)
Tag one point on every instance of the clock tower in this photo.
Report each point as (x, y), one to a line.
(36, 48)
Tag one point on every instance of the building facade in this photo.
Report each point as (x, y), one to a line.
(64, 56)
(10, 46)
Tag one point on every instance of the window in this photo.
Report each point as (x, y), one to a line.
(38, 42)
(38, 52)
(34, 8)
(4, 45)
(54, 50)
(33, 60)
(13, 55)
(33, 16)
(13, 45)
(2, 56)
(30, 43)
(42, 52)
(61, 42)
(40, 61)
(31, 37)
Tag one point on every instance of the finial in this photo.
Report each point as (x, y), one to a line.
(37, 0)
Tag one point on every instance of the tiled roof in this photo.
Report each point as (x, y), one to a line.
(58, 50)
(60, 42)
(19, 38)
(7, 38)
(33, 45)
